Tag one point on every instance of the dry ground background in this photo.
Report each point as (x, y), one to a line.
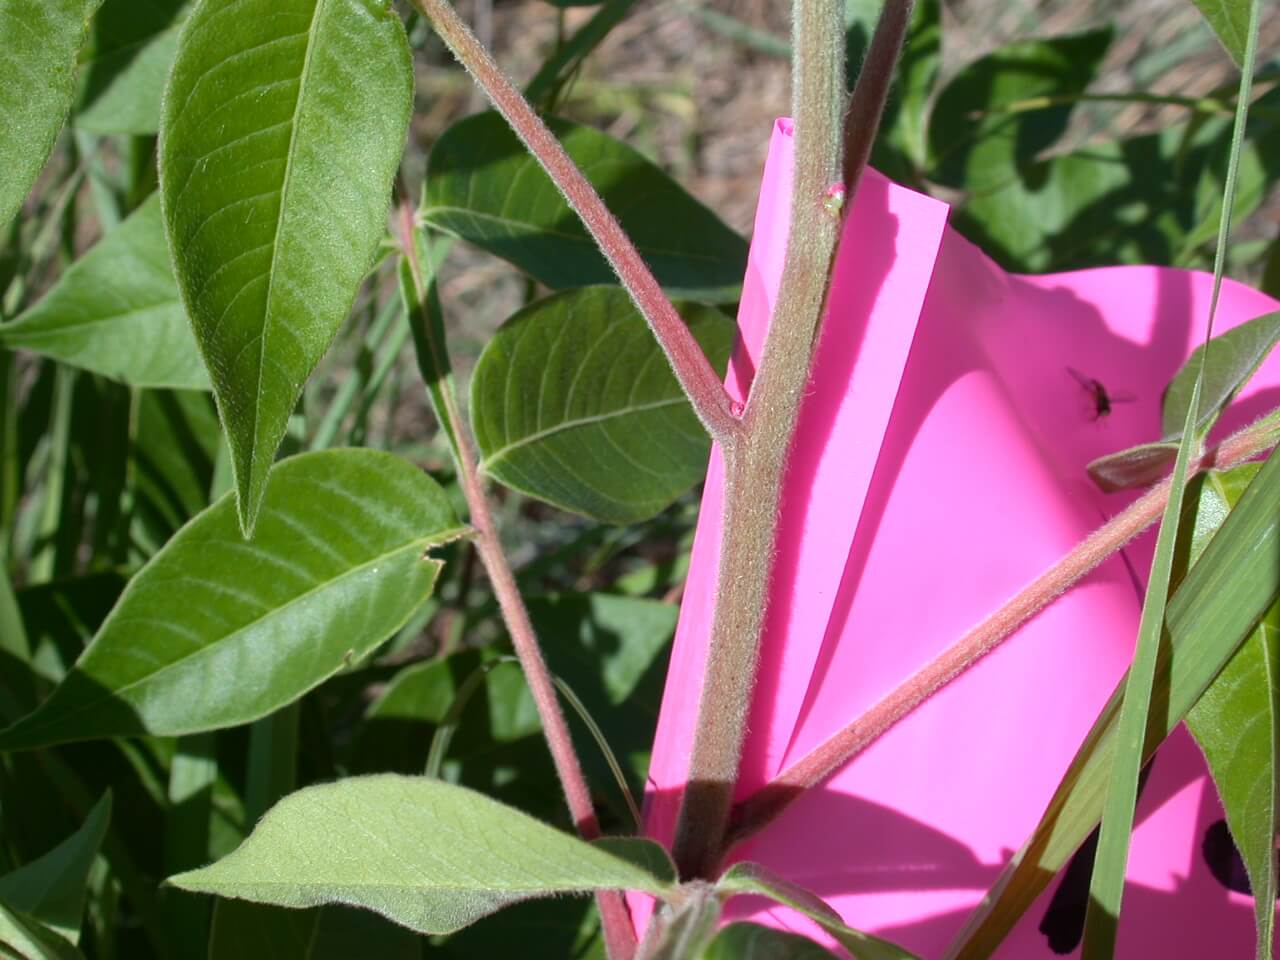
(672, 83)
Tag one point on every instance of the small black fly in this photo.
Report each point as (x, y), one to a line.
(1102, 399)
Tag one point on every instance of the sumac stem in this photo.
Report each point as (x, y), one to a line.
(831, 147)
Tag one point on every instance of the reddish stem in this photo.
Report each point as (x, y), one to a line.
(697, 377)
(825, 760)
(616, 921)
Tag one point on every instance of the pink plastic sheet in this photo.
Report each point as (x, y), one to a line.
(939, 467)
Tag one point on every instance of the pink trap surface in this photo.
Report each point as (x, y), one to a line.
(939, 468)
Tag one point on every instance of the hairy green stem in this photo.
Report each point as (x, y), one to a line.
(829, 757)
(697, 377)
(754, 465)
(618, 932)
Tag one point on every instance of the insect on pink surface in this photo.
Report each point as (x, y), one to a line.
(936, 473)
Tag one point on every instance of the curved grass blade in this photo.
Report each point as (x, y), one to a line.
(753, 878)
(1106, 887)
(1215, 607)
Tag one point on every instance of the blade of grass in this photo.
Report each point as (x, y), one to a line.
(551, 77)
(609, 757)
(356, 381)
(46, 562)
(1106, 888)
(441, 739)
(273, 761)
(1214, 609)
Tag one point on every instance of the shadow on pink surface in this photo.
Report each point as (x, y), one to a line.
(939, 467)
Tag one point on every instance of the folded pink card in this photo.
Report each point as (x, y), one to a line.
(939, 467)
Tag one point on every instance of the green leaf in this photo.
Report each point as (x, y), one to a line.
(751, 941)
(40, 42)
(282, 127)
(216, 631)
(52, 889)
(754, 879)
(572, 402)
(24, 938)
(1106, 887)
(177, 446)
(1134, 467)
(1216, 606)
(1256, 174)
(1237, 724)
(421, 297)
(1123, 201)
(124, 68)
(116, 311)
(1233, 358)
(610, 650)
(976, 142)
(1230, 21)
(429, 855)
(483, 186)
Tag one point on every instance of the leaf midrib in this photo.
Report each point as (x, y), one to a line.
(422, 543)
(286, 180)
(19, 327)
(503, 452)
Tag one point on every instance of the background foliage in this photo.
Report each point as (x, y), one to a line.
(1064, 138)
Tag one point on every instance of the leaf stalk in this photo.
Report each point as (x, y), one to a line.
(697, 377)
(618, 932)
(829, 757)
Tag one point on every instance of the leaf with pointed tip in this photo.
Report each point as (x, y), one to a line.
(41, 40)
(281, 131)
(1237, 724)
(751, 941)
(752, 878)
(126, 63)
(51, 889)
(429, 855)
(1234, 357)
(116, 311)
(484, 187)
(1230, 21)
(572, 402)
(25, 938)
(216, 631)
